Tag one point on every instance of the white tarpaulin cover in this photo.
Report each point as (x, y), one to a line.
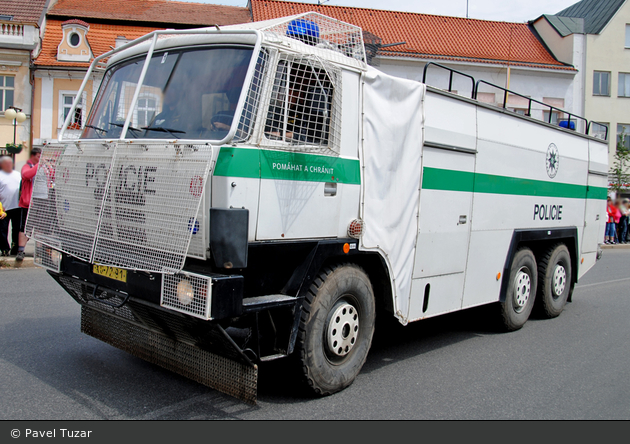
(393, 133)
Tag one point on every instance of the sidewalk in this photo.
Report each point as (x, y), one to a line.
(615, 247)
(8, 263)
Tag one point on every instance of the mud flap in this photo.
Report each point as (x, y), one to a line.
(237, 378)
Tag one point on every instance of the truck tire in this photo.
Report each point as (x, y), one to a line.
(336, 328)
(554, 281)
(521, 291)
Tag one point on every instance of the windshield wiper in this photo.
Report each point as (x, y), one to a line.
(164, 130)
(97, 128)
(120, 125)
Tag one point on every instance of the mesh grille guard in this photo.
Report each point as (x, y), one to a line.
(122, 204)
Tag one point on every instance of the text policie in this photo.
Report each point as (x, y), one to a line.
(548, 212)
(132, 184)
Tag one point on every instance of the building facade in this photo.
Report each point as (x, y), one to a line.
(509, 55)
(597, 31)
(20, 25)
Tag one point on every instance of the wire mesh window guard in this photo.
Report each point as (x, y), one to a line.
(324, 32)
(304, 111)
(125, 205)
(251, 106)
(187, 93)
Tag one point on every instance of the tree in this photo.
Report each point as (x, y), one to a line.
(619, 176)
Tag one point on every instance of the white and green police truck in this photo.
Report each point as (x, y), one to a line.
(246, 193)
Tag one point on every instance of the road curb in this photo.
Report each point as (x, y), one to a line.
(11, 264)
(616, 247)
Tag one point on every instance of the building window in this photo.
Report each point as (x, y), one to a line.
(601, 83)
(147, 108)
(623, 89)
(599, 130)
(67, 99)
(555, 115)
(487, 98)
(628, 36)
(623, 135)
(75, 39)
(7, 91)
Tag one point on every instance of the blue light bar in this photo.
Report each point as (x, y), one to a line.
(304, 30)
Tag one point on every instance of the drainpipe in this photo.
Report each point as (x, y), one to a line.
(32, 82)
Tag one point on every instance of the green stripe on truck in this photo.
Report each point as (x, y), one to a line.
(451, 180)
(284, 165)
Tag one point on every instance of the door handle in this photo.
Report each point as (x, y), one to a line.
(330, 189)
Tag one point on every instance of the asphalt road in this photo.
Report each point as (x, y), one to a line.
(453, 367)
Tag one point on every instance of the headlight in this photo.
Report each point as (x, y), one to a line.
(55, 257)
(185, 292)
(47, 257)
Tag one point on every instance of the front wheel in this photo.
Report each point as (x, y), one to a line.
(336, 328)
(555, 281)
(521, 291)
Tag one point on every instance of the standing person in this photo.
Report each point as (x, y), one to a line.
(624, 209)
(9, 197)
(613, 213)
(617, 218)
(26, 191)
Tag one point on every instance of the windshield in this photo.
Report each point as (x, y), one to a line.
(186, 94)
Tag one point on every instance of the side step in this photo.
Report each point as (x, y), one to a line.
(260, 303)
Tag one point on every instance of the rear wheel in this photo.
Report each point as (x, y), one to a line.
(521, 291)
(555, 280)
(336, 328)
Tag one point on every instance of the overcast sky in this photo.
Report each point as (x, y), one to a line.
(506, 10)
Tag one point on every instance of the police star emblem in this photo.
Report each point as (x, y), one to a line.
(553, 160)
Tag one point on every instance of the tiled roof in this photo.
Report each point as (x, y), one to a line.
(76, 22)
(596, 13)
(23, 11)
(151, 11)
(101, 38)
(431, 36)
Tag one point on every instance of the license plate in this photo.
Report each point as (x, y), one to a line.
(111, 272)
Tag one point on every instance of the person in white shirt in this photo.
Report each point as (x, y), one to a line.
(9, 196)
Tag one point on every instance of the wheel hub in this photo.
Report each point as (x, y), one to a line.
(343, 329)
(522, 290)
(559, 280)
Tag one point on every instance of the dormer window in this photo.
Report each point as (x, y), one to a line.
(74, 46)
(75, 39)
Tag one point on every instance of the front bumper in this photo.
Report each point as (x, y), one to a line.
(224, 295)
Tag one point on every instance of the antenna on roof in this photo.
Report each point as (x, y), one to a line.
(466, 8)
(321, 2)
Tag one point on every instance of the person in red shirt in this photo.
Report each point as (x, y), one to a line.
(26, 191)
(611, 223)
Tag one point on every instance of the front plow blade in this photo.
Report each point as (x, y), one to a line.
(231, 377)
